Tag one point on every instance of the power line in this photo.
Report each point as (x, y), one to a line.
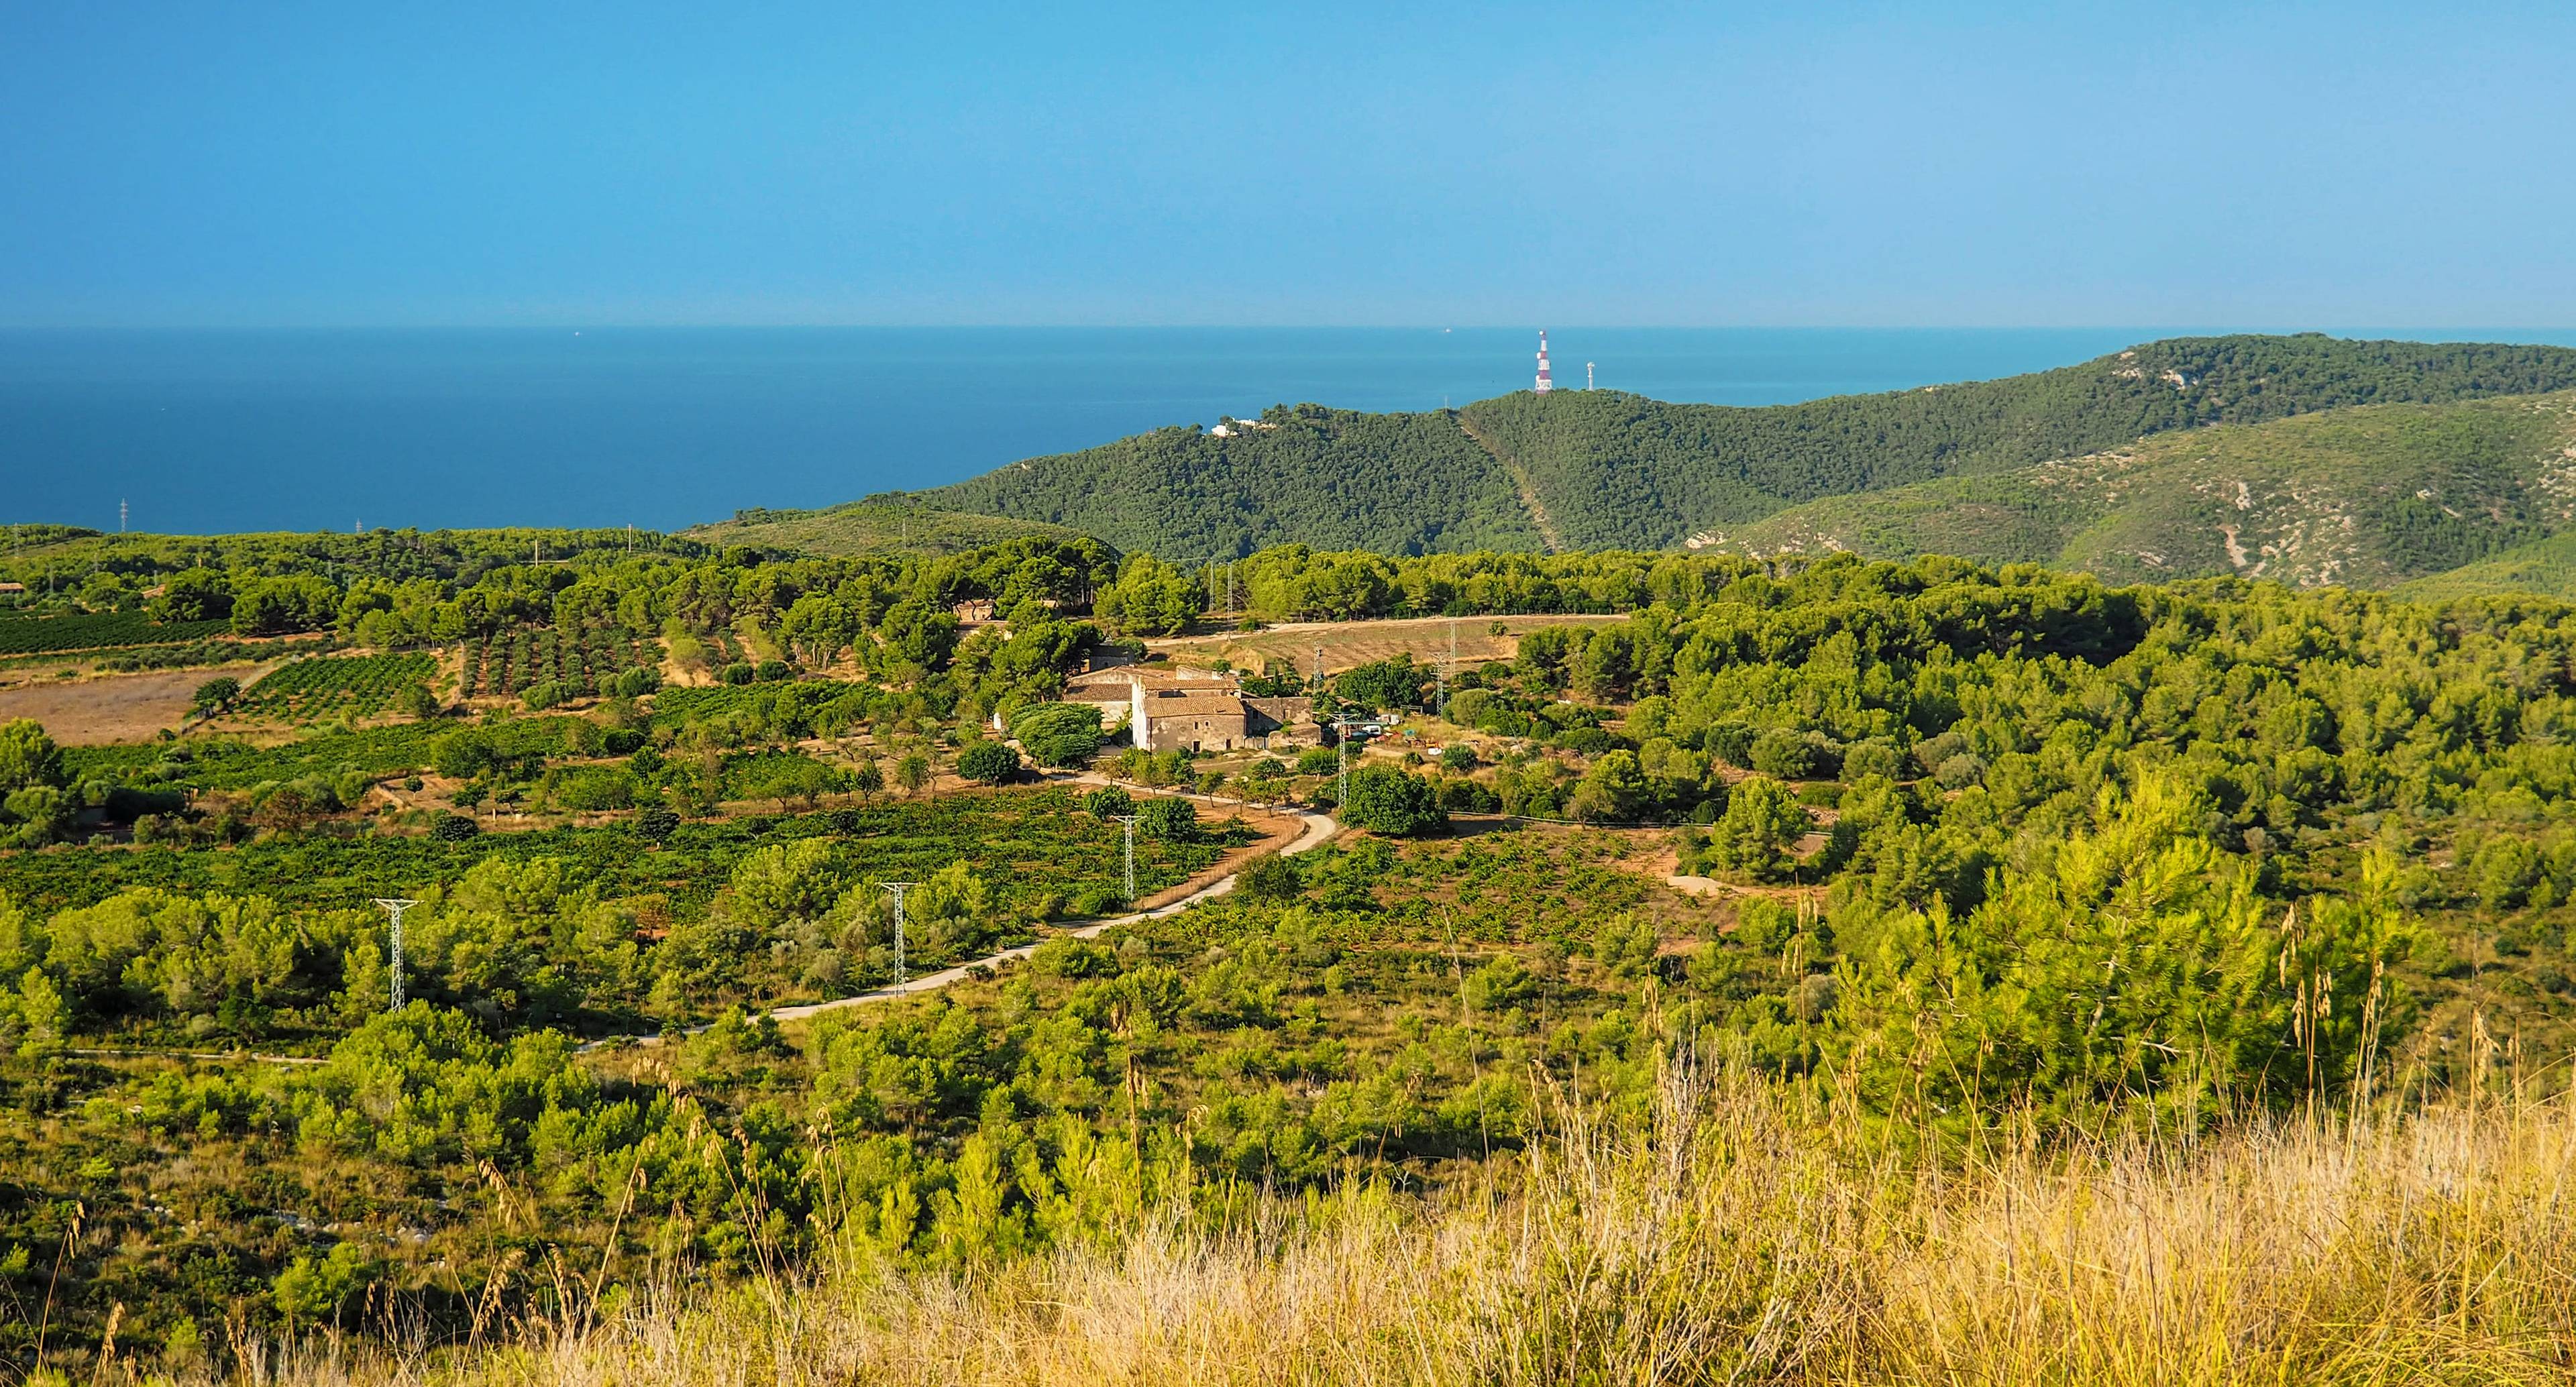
(395, 906)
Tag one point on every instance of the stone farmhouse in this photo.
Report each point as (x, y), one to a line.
(1194, 710)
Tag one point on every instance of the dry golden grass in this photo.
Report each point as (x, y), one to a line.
(1736, 1235)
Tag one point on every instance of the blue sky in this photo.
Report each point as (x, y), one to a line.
(1314, 163)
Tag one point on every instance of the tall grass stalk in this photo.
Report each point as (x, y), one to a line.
(1738, 1235)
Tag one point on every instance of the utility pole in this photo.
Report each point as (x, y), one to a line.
(1128, 822)
(1342, 758)
(898, 888)
(395, 906)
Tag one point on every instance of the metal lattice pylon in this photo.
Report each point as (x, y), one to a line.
(395, 906)
(898, 888)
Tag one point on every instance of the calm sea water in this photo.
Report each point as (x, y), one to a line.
(202, 432)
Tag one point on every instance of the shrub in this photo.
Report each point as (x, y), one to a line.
(635, 683)
(544, 694)
(736, 673)
(216, 693)
(1270, 878)
(771, 671)
(1059, 734)
(1386, 800)
(990, 762)
(416, 702)
(1463, 796)
(1586, 741)
(1785, 755)
(1108, 802)
(453, 828)
(1872, 757)
(658, 823)
(1732, 743)
(1173, 820)
(1318, 760)
(1761, 824)
(1460, 758)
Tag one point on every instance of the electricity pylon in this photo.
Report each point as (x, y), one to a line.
(898, 888)
(1128, 823)
(395, 906)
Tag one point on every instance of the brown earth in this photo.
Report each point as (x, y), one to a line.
(1351, 643)
(114, 708)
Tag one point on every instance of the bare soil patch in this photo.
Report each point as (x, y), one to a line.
(1347, 644)
(111, 708)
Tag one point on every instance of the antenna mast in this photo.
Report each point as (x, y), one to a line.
(395, 906)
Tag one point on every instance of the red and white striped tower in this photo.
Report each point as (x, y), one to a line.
(1545, 383)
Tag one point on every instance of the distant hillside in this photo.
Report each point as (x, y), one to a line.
(2368, 496)
(870, 527)
(2542, 568)
(1336, 479)
(1602, 469)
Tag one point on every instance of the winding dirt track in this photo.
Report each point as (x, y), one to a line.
(1320, 829)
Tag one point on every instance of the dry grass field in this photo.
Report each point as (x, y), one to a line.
(1735, 1233)
(1350, 643)
(110, 708)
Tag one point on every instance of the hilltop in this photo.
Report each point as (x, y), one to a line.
(1604, 469)
(2368, 496)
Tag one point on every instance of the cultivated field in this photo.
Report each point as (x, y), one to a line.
(1350, 643)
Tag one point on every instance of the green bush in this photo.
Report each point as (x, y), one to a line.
(1270, 878)
(989, 762)
(1060, 734)
(1386, 800)
(1173, 820)
(658, 823)
(1786, 755)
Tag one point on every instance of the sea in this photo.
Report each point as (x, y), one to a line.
(203, 432)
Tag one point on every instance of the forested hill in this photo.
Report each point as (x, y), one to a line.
(1620, 471)
(1594, 469)
(1336, 479)
(2369, 496)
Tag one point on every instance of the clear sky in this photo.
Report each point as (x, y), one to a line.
(375, 161)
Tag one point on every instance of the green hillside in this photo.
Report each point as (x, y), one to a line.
(2542, 568)
(1336, 479)
(2368, 496)
(871, 527)
(1601, 469)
